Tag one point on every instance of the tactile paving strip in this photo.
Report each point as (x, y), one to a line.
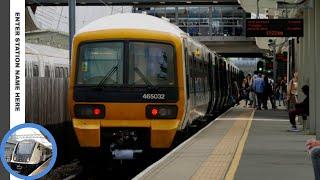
(217, 164)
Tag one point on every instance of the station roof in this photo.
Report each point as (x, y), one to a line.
(129, 2)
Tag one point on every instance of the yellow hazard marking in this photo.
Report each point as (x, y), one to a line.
(217, 164)
(236, 159)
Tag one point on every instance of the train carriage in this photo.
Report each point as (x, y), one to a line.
(29, 154)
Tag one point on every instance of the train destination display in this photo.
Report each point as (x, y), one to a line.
(274, 27)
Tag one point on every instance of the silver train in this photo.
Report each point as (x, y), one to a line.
(46, 61)
(28, 155)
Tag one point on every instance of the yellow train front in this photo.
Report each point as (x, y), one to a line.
(127, 83)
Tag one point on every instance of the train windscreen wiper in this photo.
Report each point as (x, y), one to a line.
(107, 76)
(143, 77)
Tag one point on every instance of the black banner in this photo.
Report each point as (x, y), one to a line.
(274, 27)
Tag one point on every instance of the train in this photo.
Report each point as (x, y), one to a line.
(28, 154)
(46, 61)
(137, 80)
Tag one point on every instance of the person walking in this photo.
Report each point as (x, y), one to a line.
(283, 86)
(267, 93)
(258, 88)
(245, 88)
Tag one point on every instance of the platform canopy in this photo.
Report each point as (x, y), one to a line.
(129, 2)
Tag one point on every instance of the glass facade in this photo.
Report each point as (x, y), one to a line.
(202, 20)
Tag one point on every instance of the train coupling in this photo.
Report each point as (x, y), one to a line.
(125, 154)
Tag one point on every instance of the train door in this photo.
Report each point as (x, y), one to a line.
(188, 84)
(217, 82)
(210, 84)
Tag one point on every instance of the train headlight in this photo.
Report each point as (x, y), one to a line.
(161, 111)
(28, 159)
(15, 158)
(92, 111)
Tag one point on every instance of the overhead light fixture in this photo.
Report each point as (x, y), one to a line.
(188, 2)
(162, 2)
(215, 2)
(135, 2)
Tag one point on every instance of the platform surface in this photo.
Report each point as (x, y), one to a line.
(241, 144)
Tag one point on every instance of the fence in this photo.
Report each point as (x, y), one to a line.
(46, 100)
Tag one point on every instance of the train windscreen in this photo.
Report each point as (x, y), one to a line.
(151, 64)
(100, 60)
(144, 63)
(25, 148)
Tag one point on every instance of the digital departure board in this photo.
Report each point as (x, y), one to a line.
(281, 57)
(274, 27)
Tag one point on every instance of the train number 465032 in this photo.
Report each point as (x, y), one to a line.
(153, 96)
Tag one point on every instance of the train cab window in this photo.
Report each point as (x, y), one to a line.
(100, 62)
(35, 69)
(151, 64)
(46, 71)
(25, 147)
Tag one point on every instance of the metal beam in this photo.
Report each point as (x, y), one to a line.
(72, 26)
(129, 2)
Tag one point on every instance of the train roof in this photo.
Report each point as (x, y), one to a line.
(39, 49)
(35, 141)
(132, 21)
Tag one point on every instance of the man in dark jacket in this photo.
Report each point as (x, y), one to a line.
(300, 108)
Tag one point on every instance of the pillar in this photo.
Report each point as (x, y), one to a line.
(311, 70)
(72, 25)
(317, 68)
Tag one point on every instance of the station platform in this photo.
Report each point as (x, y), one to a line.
(240, 144)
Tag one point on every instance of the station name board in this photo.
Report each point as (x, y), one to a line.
(274, 27)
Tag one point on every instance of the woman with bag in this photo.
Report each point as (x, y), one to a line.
(292, 91)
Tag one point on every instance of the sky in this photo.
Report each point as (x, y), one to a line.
(32, 131)
(56, 17)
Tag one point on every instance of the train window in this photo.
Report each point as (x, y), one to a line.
(57, 72)
(66, 72)
(46, 71)
(35, 70)
(100, 62)
(192, 73)
(187, 71)
(151, 63)
(61, 71)
(25, 147)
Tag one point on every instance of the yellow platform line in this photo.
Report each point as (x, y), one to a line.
(236, 159)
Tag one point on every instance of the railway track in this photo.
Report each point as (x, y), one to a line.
(125, 169)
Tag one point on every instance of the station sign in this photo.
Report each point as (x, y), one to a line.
(274, 27)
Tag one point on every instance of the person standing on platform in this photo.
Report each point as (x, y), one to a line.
(300, 109)
(235, 92)
(250, 81)
(268, 93)
(253, 95)
(245, 90)
(292, 91)
(258, 88)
